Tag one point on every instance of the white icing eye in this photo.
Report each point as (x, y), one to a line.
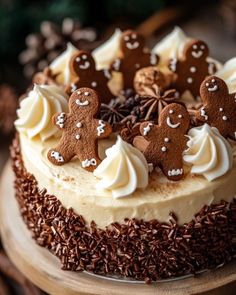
(171, 112)
(86, 93)
(180, 116)
(213, 80)
(134, 36)
(207, 84)
(202, 46)
(79, 92)
(84, 56)
(194, 46)
(126, 38)
(77, 59)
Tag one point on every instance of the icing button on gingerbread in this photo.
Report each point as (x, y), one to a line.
(83, 68)
(167, 140)
(219, 107)
(81, 130)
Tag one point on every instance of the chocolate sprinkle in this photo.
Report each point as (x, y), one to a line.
(137, 249)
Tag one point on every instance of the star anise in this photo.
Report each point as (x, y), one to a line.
(155, 100)
(119, 108)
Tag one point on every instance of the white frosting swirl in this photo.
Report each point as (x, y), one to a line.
(108, 51)
(123, 170)
(228, 74)
(36, 111)
(61, 65)
(171, 46)
(209, 152)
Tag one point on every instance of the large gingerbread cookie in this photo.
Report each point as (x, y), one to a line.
(167, 140)
(134, 56)
(80, 130)
(83, 67)
(219, 107)
(192, 68)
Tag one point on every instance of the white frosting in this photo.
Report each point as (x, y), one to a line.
(228, 74)
(108, 51)
(171, 46)
(61, 65)
(36, 111)
(123, 170)
(209, 152)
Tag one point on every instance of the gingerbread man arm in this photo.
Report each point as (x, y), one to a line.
(154, 59)
(174, 65)
(103, 129)
(117, 65)
(147, 129)
(59, 120)
(202, 114)
(211, 68)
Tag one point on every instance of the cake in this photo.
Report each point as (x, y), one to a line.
(124, 158)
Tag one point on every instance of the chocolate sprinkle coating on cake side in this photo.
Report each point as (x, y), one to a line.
(138, 249)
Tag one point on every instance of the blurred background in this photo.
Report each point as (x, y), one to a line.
(33, 33)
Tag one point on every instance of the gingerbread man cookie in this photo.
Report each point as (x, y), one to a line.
(192, 68)
(133, 57)
(219, 107)
(167, 141)
(80, 130)
(82, 66)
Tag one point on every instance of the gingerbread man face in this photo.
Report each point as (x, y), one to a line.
(82, 63)
(82, 100)
(167, 140)
(133, 57)
(192, 68)
(131, 41)
(80, 130)
(196, 50)
(219, 107)
(83, 68)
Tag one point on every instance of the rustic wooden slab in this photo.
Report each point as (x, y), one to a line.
(43, 269)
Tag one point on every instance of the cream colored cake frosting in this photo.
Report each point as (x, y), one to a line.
(127, 189)
(76, 188)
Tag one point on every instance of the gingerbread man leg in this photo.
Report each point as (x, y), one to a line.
(89, 159)
(173, 171)
(61, 155)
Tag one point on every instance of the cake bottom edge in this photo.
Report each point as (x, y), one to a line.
(137, 249)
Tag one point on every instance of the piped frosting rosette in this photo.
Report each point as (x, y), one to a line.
(209, 153)
(123, 170)
(36, 111)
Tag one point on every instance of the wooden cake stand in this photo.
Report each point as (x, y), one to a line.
(43, 269)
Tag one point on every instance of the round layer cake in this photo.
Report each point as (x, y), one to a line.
(122, 168)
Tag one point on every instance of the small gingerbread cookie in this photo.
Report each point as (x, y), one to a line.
(219, 107)
(149, 76)
(192, 68)
(82, 66)
(166, 141)
(80, 130)
(134, 57)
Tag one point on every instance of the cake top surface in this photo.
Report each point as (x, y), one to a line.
(124, 118)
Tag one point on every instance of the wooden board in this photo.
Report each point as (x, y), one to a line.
(43, 269)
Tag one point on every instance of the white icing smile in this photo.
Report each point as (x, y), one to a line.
(175, 172)
(169, 123)
(82, 103)
(131, 46)
(197, 54)
(212, 89)
(85, 66)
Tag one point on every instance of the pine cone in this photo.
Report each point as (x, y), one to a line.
(8, 105)
(43, 47)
